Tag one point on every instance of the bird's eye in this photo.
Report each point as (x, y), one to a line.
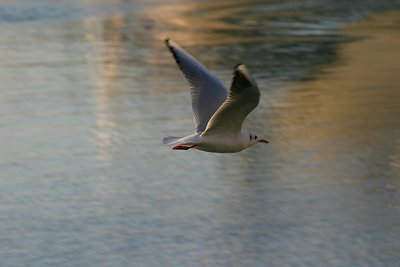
(255, 137)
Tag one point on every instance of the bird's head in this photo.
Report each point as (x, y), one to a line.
(253, 138)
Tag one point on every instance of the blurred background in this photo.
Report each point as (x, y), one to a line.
(88, 90)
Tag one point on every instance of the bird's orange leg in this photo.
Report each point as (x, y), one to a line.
(183, 147)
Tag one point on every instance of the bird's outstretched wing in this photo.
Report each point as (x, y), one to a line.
(206, 90)
(243, 97)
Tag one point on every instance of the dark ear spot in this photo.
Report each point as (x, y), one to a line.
(251, 137)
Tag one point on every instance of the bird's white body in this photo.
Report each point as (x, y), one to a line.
(224, 143)
(218, 113)
(228, 143)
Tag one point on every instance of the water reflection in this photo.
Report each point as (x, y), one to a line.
(235, 22)
(105, 63)
(342, 109)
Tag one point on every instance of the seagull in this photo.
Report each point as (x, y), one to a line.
(218, 112)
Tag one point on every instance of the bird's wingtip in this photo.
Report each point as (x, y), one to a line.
(238, 65)
(241, 73)
(241, 68)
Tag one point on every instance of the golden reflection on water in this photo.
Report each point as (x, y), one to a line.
(349, 106)
(216, 22)
(106, 41)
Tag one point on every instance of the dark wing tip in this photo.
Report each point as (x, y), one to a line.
(167, 42)
(173, 51)
(242, 78)
(238, 65)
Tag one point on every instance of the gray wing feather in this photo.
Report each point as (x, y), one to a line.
(206, 90)
(243, 97)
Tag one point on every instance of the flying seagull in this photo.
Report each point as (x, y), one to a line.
(218, 113)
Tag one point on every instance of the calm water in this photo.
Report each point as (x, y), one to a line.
(88, 90)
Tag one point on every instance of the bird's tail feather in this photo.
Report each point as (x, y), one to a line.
(171, 140)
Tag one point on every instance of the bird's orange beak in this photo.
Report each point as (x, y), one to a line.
(263, 141)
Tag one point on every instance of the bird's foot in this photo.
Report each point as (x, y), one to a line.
(183, 147)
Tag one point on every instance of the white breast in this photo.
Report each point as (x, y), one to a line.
(223, 144)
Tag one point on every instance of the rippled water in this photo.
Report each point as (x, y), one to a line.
(88, 90)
